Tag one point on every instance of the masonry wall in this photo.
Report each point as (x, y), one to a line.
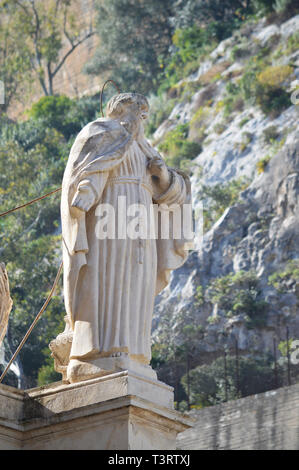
(266, 421)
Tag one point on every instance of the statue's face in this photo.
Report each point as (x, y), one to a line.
(133, 115)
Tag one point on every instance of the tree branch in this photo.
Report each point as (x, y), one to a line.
(88, 35)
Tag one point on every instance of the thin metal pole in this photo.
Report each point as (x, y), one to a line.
(30, 202)
(33, 323)
(275, 363)
(102, 91)
(237, 367)
(225, 376)
(177, 381)
(188, 381)
(288, 356)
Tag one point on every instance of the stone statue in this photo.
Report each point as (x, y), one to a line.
(5, 301)
(110, 283)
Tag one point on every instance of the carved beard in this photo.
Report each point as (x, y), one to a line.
(144, 144)
(132, 125)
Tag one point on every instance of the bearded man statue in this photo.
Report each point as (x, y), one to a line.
(110, 283)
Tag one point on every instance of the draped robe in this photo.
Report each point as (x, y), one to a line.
(110, 284)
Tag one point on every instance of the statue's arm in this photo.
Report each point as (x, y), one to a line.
(89, 191)
(169, 184)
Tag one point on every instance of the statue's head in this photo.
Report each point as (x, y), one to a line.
(129, 109)
(126, 103)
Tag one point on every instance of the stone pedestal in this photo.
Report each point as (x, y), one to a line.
(115, 412)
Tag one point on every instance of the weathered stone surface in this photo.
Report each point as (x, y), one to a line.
(259, 233)
(116, 412)
(268, 421)
(63, 397)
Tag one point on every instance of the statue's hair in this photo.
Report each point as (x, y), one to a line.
(117, 103)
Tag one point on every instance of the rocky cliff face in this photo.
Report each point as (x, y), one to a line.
(259, 233)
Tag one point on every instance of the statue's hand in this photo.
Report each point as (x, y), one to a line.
(157, 167)
(84, 198)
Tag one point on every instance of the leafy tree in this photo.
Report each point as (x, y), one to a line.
(14, 62)
(133, 35)
(222, 16)
(28, 248)
(63, 114)
(287, 279)
(207, 382)
(239, 293)
(175, 350)
(33, 155)
(176, 146)
(189, 46)
(43, 28)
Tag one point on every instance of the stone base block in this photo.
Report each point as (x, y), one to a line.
(115, 412)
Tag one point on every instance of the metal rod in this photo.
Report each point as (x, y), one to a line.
(288, 356)
(30, 202)
(225, 376)
(188, 381)
(275, 363)
(102, 91)
(237, 367)
(33, 323)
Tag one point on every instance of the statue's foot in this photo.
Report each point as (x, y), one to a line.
(77, 371)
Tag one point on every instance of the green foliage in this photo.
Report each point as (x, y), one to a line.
(218, 197)
(191, 45)
(275, 75)
(262, 164)
(176, 146)
(259, 85)
(244, 121)
(284, 346)
(63, 114)
(287, 279)
(269, 93)
(198, 124)
(33, 156)
(239, 52)
(263, 7)
(160, 108)
(14, 62)
(28, 247)
(292, 43)
(247, 138)
(270, 134)
(189, 41)
(219, 128)
(134, 36)
(47, 374)
(207, 382)
(239, 293)
(221, 16)
(276, 145)
(42, 29)
(200, 298)
(233, 101)
(283, 5)
(273, 100)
